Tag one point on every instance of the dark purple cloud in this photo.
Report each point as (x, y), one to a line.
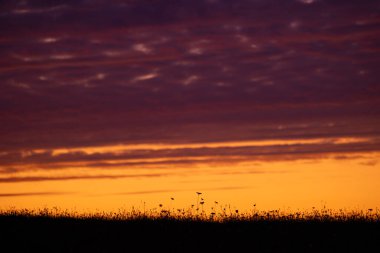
(23, 194)
(177, 159)
(147, 158)
(93, 73)
(20, 179)
(176, 190)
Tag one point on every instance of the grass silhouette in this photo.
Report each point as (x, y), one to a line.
(219, 229)
(225, 214)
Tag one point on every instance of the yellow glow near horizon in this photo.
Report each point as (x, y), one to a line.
(337, 183)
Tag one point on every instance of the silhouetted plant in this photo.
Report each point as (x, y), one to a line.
(215, 215)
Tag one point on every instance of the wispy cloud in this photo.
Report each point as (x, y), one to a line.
(86, 81)
(185, 153)
(24, 194)
(226, 188)
(18, 179)
(144, 192)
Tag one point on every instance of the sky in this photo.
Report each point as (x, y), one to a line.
(113, 104)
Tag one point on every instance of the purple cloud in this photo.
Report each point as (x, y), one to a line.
(80, 73)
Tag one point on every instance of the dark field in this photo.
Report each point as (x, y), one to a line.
(46, 231)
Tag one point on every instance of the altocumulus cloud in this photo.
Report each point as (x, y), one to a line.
(82, 74)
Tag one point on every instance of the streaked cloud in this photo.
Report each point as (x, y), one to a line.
(17, 179)
(25, 194)
(92, 84)
(49, 40)
(137, 158)
(142, 48)
(145, 77)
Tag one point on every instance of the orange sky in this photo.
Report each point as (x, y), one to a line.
(336, 180)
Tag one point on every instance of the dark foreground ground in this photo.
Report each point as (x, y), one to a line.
(44, 234)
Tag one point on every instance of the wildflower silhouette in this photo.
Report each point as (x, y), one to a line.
(198, 193)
